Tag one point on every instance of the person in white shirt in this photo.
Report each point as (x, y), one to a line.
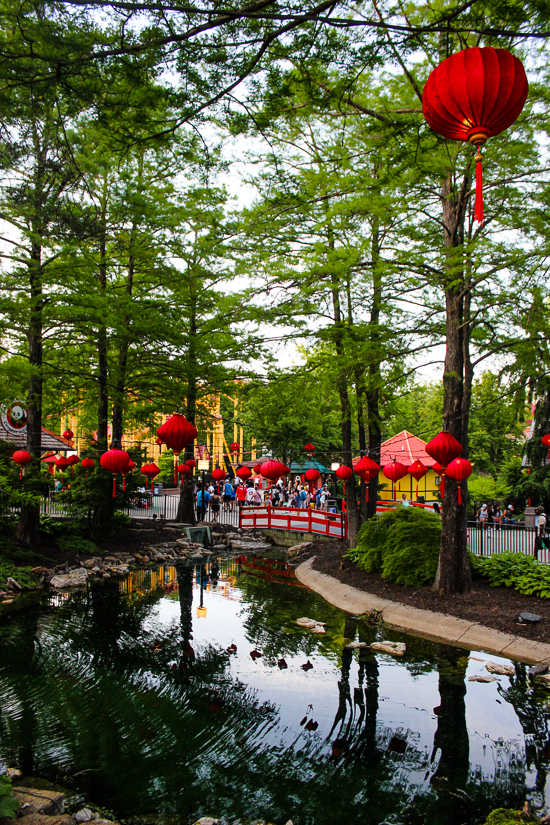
(249, 494)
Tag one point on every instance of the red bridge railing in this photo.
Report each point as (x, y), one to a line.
(294, 518)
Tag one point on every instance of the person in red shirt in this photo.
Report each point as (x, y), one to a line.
(241, 495)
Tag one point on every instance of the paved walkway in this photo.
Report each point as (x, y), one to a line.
(425, 623)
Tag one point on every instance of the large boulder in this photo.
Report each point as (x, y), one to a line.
(76, 578)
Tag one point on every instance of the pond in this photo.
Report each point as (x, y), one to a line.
(133, 693)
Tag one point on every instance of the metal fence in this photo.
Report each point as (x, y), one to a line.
(486, 540)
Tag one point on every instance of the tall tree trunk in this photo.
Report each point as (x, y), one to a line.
(186, 509)
(29, 522)
(122, 364)
(453, 574)
(373, 381)
(360, 395)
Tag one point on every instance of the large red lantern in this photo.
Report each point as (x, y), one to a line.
(367, 469)
(459, 470)
(313, 475)
(344, 473)
(73, 459)
(183, 469)
(395, 471)
(150, 471)
(218, 474)
(87, 464)
(474, 95)
(68, 434)
(191, 463)
(235, 447)
(546, 441)
(417, 470)
(115, 461)
(444, 448)
(257, 469)
(273, 470)
(22, 457)
(177, 433)
(438, 469)
(309, 449)
(62, 463)
(244, 473)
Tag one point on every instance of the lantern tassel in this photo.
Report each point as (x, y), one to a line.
(459, 497)
(20, 473)
(478, 209)
(114, 485)
(442, 487)
(123, 483)
(367, 496)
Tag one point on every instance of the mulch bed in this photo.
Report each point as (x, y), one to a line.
(496, 607)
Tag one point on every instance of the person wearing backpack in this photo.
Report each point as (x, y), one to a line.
(303, 497)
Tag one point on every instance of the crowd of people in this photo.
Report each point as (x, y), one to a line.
(490, 514)
(232, 493)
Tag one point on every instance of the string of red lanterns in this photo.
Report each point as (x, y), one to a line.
(177, 433)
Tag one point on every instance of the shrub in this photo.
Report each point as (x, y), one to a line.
(77, 544)
(8, 803)
(402, 545)
(22, 575)
(523, 573)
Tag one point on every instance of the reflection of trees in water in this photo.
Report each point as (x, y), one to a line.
(534, 719)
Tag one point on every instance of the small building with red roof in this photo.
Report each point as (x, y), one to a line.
(407, 448)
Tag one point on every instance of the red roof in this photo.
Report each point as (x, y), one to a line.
(406, 448)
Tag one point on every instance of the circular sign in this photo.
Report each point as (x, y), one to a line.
(14, 417)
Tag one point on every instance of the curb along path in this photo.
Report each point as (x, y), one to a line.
(436, 626)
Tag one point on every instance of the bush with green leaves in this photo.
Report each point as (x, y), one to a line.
(8, 803)
(401, 544)
(22, 575)
(516, 570)
(77, 544)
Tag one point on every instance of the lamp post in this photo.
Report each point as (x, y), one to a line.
(203, 465)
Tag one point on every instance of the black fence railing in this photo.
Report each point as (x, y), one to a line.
(486, 540)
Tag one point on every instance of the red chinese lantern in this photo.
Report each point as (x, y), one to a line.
(191, 463)
(21, 457)
(286, 470)
(273, 469)
(546, 441)
(257, 469)
(177, 433)
(366, 469)
(459, 470)
(115, 461)
(131, 466)
(87, 464)
(235, 447)
(309, 449)
(313, 475)
(183, 469)
(218, 474)
(68, 434)
(438, 469)
(417, 470)
(395, 471)
(62, 463)
(73, 459)
(444, 448)
(244, 473)
(474, 95)
(344, 473)
(150, 471)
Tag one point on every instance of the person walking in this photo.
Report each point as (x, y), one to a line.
(215, 506)
(241, 495)
(540, 524)
(227, 488)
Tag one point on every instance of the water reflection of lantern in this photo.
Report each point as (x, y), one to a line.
(177, 432)
(22, 457)
(474, 95)
(417, 470)
(459, 470)
(201, 612)
(115, 461)
(395, 471)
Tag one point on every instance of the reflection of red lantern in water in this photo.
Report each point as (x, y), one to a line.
(87, 464)
(474, 95)
(177, 433)
(459, 470)
(22, 457)
(417, 470)
(115, 461)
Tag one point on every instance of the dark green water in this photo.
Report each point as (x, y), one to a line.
(93, 696)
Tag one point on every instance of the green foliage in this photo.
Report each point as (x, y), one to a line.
(77, 544)
(23, 575)
(503, 816)
(402, 545)
(8, 803)
(517, 570)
